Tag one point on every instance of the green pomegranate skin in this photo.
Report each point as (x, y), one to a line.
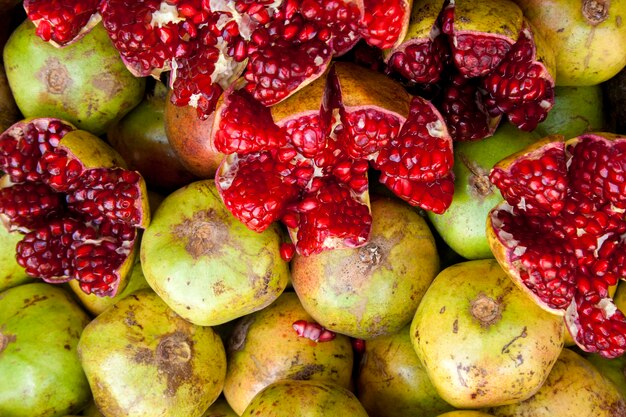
(143, 360)
(463, 225)
(205, 264)
(85, 83)
(11, 273)
(576, 110)
(40, 326)
(392, 382)
(289, 398)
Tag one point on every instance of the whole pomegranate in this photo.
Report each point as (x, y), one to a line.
(141, 139)
(587, 36)
(482, 341)
(289, 398)
(372, 290)
(206, 265)
(576, 110)
(462, 226)
(78, 208)
(574, 388)
(264, 348)
(141, 340)
(84, 83)
(39, 330)
(190, 139)
(559, 234)
(392, 382)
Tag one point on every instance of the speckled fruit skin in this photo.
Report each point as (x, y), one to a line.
(587, 51)
(290, 398)
(392, 381)
(189, 137)
(375, 289)
(96, 305)
(482, 341)
(205, 264)
(576, 110)
(141, 140)
(462, 226)
(11, 274)
(85, 83)
(574, 388)
(264, 348)
(142, 359)
(40, 326)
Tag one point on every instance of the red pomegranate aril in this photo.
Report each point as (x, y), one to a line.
(62, 21)
(28, 205)
(287, 251)
(313, 331)
(384, 22)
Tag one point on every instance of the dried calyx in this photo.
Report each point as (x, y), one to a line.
(561, 232)
(79, 210)
(283, 44)
(305, 161)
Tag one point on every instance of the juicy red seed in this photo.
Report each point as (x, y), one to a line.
(477, 55)
(287, 251)
(382, 21)
(421, 62)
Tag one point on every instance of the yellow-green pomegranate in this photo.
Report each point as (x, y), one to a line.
(482, 341)
(143, 359)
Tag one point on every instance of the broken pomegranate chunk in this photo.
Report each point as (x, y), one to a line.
(560, 233)
(78, 210)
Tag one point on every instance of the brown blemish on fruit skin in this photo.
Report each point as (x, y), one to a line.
(480, 186)
(203, 234)
(307, 372)
(108, 85)
(55, 76)
(36, 298)
(5, 339)
(595, 11)
(173, 358)
(486, 310)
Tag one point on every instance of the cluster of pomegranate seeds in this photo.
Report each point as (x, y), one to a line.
(62, 21)
(314, 180)
(484, 72)
(79, 223)
(561, 232)
(313, 331)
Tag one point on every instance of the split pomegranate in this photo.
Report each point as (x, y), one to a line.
(487, 60)
(560, 232)
(305, 161)
(79, 211)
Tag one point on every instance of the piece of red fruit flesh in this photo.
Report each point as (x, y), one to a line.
(244, 125)
(520, 86)
(421, 60)
(62, 207)
(62, 21)
(462, 106)
(566, 247)
(150, 33)
(341, 18)
(28, 205)
(435, 196)
(313, 331)
(287, 251)
(366, 131)
(384, 22)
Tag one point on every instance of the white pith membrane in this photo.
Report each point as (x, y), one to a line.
(515, 250)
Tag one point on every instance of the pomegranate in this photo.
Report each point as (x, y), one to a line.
(462, 226)
(39, 330)
(96, 305)
(11, 273)
(304, 162)
(140, 340)
(488, 61)
(265, 348)
(141, 139)
(78, 209)
(574, 388)
(385, 23)
(482, 341)
(588, 37)
(392, 382)
(559, 232)
(188, 137)
(207, 266)
(293, 398)
(373, 290)
(576, 110)
(85, 83)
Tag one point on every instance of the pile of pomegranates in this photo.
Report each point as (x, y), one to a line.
(312, 207)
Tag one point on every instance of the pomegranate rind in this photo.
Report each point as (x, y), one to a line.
(207, 265)
(422, 26)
